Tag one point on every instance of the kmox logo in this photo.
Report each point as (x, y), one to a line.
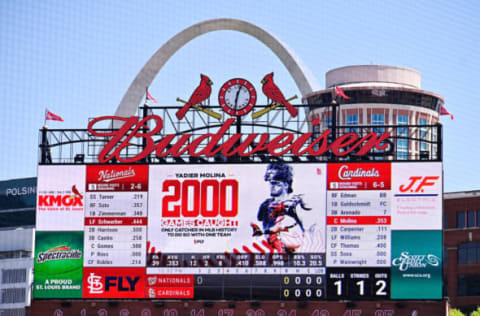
(61, 200)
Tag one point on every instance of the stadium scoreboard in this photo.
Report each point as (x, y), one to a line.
(343, 230)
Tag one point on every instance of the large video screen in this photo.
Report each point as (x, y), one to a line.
(297, 231)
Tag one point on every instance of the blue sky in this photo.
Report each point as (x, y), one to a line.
(78, 58)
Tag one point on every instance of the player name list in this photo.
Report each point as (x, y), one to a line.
(358, 228)
(115, 229)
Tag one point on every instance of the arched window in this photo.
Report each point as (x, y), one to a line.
(469, 252)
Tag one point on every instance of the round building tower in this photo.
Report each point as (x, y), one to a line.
(381, 95)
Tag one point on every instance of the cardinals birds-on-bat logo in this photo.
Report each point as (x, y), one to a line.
(273, 93)
(201, 93)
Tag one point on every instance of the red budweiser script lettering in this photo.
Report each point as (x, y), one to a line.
(210, 144)
(111, 175)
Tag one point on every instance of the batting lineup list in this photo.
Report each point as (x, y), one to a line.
(116, 217)
(358, 230)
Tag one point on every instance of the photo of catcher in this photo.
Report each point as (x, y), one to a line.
(282, 227)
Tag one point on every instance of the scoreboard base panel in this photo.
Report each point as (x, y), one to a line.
(230, 308)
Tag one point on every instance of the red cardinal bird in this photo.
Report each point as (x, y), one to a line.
(75, 191)
(273, 93)
(201, 93)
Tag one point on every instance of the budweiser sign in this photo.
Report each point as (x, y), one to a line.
(211, 144)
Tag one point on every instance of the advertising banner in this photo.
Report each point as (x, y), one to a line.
(416, 265)
(417, 194)
(114, 283)
(58, 264)
(60, 198)
(18, 193)
(237, 208)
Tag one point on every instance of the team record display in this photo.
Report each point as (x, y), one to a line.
(297, 231)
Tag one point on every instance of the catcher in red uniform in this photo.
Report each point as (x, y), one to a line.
(280, 222)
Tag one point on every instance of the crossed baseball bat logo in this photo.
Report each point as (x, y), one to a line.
(218, 116)
(203, 91)
(214, 114)
(257, 114)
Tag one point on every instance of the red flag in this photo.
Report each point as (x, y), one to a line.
(149, 97)
(443, 111)
(53, 117)
(340, 92)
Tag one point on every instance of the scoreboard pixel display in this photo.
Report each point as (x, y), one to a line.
(281, 231)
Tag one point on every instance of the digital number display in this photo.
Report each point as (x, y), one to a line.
(297, 231)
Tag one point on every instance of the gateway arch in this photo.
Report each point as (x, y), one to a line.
(304, 80)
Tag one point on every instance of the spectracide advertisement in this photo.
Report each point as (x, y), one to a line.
(58, 264)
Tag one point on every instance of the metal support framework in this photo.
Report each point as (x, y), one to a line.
(406, 143)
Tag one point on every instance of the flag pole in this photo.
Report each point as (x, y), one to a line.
(45, 118)
(334, 115)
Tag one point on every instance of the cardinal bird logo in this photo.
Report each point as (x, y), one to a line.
(273, 93)
(201, 93)
(75, 191)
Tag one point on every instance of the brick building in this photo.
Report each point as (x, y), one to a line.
(461, 238)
